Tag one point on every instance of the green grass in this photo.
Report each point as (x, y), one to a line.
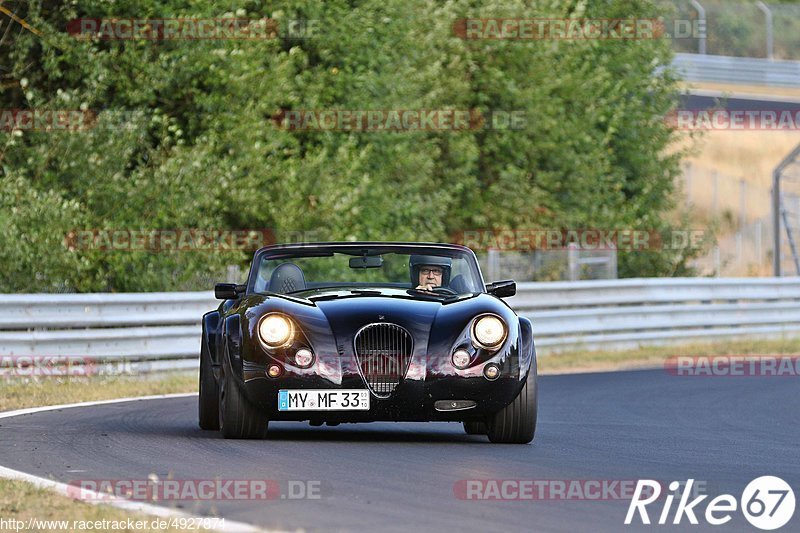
(18, 394)
(655, 356)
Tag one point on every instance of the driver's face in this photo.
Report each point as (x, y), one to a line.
(430, 275)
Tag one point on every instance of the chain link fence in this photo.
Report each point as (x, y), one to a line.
(738, 210)
(734, 28)
(570, 264)
(786, 215)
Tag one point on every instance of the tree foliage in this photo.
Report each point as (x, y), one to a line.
(185, 136)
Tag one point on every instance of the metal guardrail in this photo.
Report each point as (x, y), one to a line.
(738, 70)
(164, 329)
(637, 312)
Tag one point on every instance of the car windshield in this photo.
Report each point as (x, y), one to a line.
(296, 271)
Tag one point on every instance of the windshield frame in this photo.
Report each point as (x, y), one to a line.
(286, 251)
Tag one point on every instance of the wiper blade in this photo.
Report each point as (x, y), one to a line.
(324, 297)
(366, 292)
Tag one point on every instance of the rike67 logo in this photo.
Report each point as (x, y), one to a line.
(767, 503)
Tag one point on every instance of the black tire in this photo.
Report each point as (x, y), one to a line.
(238, 418)
(516, 423)
(208, 400)
(475, 428)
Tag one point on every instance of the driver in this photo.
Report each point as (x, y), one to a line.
(429, 271)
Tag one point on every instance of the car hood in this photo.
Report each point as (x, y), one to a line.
(347, 315)
(331, 319)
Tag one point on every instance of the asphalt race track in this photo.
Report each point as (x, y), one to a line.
(732, 103)
(724, 431)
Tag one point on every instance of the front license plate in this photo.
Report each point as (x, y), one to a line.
(323, 400)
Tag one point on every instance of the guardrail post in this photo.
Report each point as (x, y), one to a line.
(612, 265)
(776, 223)
(742, 221)
(770, 39)
(572, 262)
(701, 17)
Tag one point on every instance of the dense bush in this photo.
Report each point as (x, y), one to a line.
(185, 136)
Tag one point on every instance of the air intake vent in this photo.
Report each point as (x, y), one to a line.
(383, 352)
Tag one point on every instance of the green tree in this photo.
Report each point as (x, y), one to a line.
(185, 136)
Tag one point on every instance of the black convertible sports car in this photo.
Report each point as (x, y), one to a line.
(367, 331)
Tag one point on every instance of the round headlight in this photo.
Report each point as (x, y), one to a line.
(275, 330)
(489, 332)
(491, 372)
(461, 359)
(303, 357)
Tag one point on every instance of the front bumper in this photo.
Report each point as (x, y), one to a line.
(412, 400)
(429, 379)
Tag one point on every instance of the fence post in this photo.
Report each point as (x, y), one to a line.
(742, 221)
(714, 209)
(572, 262)
(759, 251)
(701, 17)
(776, 224)
(612, 265)
(770, 39)
(776, 208)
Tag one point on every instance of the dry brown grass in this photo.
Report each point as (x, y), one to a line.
(743, 89)
(741, 164)
(748, 155)
(656, 356)
(19, 393)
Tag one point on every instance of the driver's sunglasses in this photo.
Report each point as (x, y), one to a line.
(434, 271)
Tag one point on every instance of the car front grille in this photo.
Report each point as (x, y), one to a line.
(383, 352)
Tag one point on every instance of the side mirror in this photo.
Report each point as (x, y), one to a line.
(502, 289)
(228, 291)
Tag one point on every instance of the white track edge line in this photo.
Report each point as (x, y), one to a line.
(103, 499)
(45, 408)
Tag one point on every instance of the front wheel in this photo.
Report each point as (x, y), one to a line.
(516, 423)
(238, 418)
(208, 399)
